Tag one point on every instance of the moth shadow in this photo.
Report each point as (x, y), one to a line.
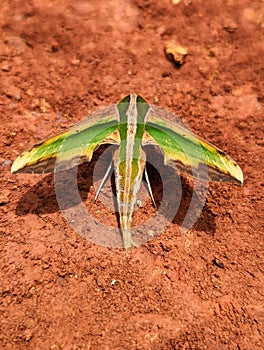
(172, 193)
(61, 190)
(179, 198)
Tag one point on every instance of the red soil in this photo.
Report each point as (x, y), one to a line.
(60, 60)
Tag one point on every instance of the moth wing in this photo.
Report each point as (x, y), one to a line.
(72, 147)
(190, 153)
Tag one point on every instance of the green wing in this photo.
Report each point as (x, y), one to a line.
(72, 147)
(190, 153)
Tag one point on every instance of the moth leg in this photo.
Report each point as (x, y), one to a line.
(149, 188)
(103, 181)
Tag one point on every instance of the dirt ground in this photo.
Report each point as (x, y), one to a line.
(60, 60)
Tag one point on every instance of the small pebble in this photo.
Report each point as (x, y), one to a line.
(3, 200)
(5, 67)
(176, 52)
(13, 92)
(218, 263)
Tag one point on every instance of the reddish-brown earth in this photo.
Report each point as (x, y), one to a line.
(60, 60)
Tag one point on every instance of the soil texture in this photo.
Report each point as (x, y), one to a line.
(61, 60)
